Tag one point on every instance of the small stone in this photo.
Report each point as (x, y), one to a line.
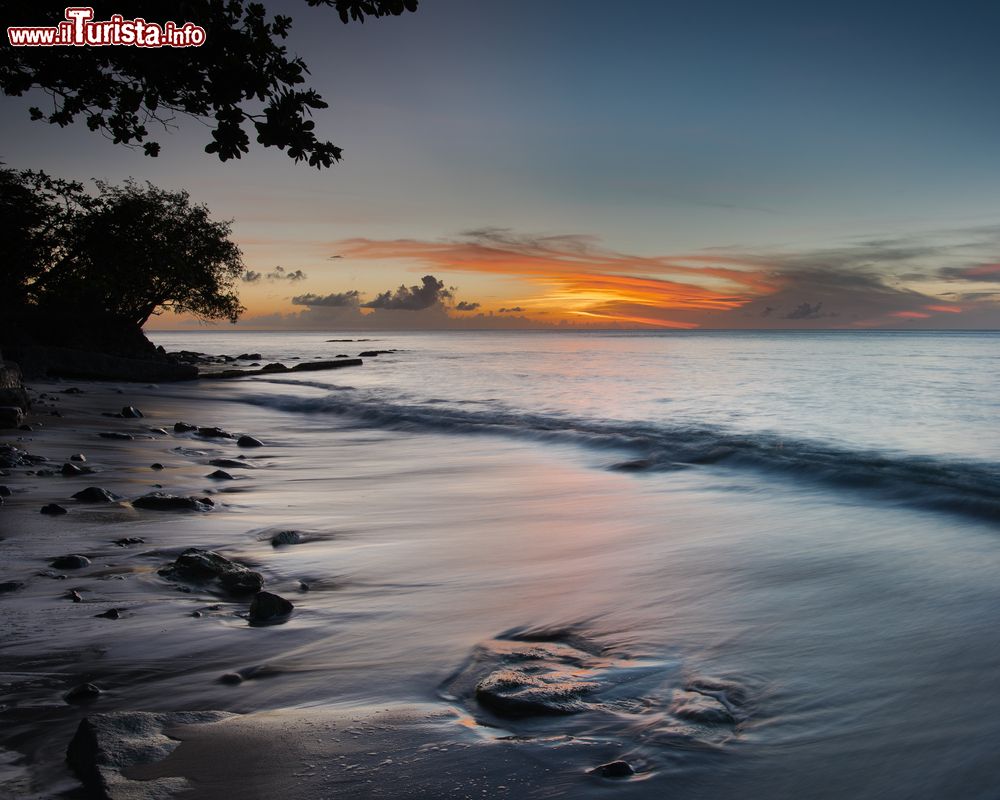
(70, 470)
(26, 428)
(267, 607)
(158, 431)
(231, 678)
(286, 537)
(75, 596)
(111, 613)
(53, 510)
(73, 561)
(94, 494)
(249, 441)
(158, 501)
(183, 427)
(127, 540)
(116, 435)
(82, 693)
(614, 769)
(78, 457)
(10, 586)
(195, 614)
(303, 586)
(4, 491)
(220, 475)
(131, 412)
(156, 466)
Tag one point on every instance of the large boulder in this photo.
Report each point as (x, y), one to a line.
(11, 416)
(105, 745)
(12, 392)
(64, 362)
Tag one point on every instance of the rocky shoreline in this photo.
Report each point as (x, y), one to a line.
(147, 633)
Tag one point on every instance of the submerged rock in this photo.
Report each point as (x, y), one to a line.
(95, 494)
(697, 707)
(286, 537)
(249, 441)
(267, 607)
(215, 433)
(116, 435)
(10, 586)
(220, 475)
(111, 613)
(199, 565)
(230, 463)
(127, 540)
(53, 510)
(613, 769)
(78, 457)
(82, 693)
(158, 501)
(373, 353)
(73, 561)
(231, 678)
(131, 412)
(183, 427)
(4, 491)
(157, 466)
(158, 431)
(70, 470)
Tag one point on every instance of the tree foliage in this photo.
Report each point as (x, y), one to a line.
(242, 81)
(121, 254)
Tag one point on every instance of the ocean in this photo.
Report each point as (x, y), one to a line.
(813, 518)
(749, 564)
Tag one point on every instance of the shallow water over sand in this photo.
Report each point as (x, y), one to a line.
(847, 635)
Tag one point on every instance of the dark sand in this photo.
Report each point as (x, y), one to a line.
(52, 643)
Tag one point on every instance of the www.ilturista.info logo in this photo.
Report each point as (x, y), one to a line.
(80, 30)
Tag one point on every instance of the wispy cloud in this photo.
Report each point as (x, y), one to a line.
(866, 282)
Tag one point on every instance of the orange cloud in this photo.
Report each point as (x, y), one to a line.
(578, 278)
(910, 315)
(945, 309)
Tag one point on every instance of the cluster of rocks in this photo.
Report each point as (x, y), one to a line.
(194, 357)
(277, 367)
(215, 432)
(204, 566)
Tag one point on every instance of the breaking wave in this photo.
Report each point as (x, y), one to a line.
(957, 486)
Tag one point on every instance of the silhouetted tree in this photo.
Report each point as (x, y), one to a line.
(242, 77)
(118, 256)
(38, 217)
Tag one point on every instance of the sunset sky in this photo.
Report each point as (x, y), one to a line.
(670, 164)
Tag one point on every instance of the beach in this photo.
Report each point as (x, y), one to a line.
(499, 588)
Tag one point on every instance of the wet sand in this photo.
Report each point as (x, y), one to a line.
(52, 643)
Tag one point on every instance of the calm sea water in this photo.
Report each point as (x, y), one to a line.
(808, 523)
